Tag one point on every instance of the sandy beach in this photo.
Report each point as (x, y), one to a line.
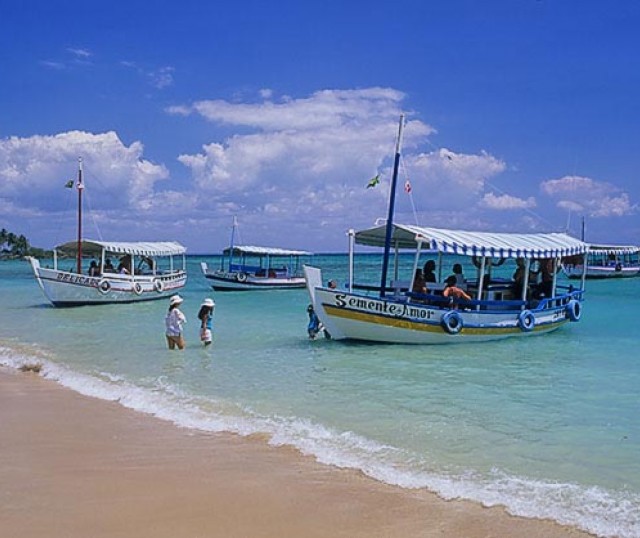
(73, 466)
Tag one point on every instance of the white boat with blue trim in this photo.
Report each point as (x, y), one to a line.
(606, 261)
(83, 272)
(244, 268)
(493, 305)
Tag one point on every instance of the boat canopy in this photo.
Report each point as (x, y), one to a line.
(265, 251)
(613, 249)
(502, 245)
(94, 248)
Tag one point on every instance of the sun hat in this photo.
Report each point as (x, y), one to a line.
(208, 302)
(175, 299)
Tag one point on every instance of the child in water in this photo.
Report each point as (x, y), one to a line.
(314, 326)
(205, 315)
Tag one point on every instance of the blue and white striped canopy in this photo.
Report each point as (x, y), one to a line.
(495, 245)
(265, 251)
(94, 248)
(613, 249)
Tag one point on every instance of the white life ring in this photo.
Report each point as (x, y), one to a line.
(137, 288)
(451, 322)
(574, 310)
(241, 277)
(104, 286)
(526, 320)
(158, 285)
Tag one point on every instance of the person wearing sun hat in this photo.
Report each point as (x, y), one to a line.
(173, 323)
(205, 315)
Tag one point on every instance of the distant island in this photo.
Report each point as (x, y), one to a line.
(14, 246)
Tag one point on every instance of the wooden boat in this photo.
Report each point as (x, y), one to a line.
(83, 271)
(497, 307)
(605, 261)
(244, 268)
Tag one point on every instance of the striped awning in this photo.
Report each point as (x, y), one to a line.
(613, 249)
(94, 248)
(464, 243)
(265, 251)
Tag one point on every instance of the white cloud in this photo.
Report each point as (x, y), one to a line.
(295, 172)
(33, 170)
(451, 180)
(595, 198)
(506, 202)
(82, 54)
(311, 158)
(161, 78)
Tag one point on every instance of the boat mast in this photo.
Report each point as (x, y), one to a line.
(392, 201)
(80, 189)
(233, 232)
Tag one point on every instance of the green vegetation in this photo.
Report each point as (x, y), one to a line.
(17, 246)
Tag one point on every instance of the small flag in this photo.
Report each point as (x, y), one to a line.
(407, 187)
(69, 184)
(373, 181)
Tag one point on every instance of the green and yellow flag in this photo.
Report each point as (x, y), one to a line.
(69, 184)
(373, 181)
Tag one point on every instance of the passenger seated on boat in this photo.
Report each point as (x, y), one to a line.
(461, 282)
(108, 266)
(453, 292)
(124, 267)
(419, 285)
(150, 263)
(93, 268)
(261, 272)
(545, 287)
(428, 271)
(332, 284)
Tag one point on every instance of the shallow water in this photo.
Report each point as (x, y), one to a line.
(548, 425)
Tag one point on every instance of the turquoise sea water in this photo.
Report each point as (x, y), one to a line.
(548, 426)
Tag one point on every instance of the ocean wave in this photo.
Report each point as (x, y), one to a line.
(602, 512)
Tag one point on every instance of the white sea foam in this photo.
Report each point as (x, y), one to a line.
(605, 513)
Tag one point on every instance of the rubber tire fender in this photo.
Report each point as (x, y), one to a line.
(574, 310)
(451, 322)
(526, 321)
(104, 286)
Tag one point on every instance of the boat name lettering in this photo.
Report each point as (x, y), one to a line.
(78, 279)
(392, 309)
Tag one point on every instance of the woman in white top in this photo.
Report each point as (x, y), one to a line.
(173, 323)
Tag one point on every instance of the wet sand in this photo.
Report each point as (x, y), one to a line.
(77, 467)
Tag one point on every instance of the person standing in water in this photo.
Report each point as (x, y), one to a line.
(173, 323)
(205, 315)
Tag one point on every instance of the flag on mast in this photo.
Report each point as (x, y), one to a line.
(69, 184)
(407, 187)
(373, 181)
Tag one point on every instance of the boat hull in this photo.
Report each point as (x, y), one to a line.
(63, 288)
(602, 272)
(354, 316)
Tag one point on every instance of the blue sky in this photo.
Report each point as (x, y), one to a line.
(523, 115)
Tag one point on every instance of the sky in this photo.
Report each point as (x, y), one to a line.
(521, 115)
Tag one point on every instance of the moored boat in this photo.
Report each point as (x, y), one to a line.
(605, 261)
(145, 270)
(493, 304)
(244, 268)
